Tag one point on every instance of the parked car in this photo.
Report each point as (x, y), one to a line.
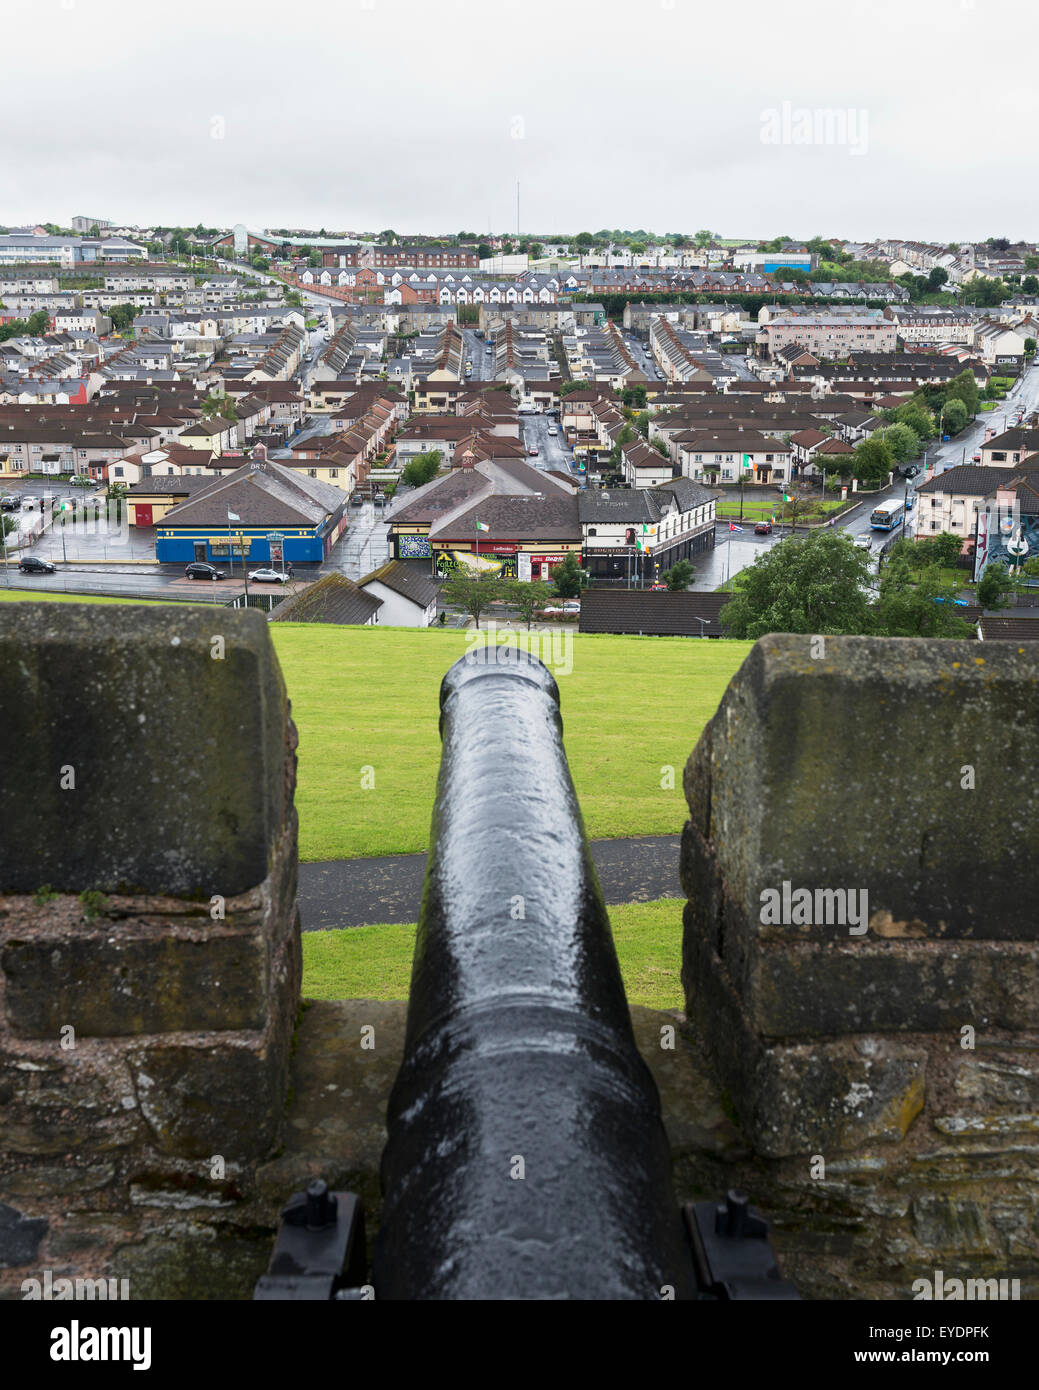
(551, 610)
(356, 501)
(201, 569)
(29, 564)
(763, 528)
(658, 586)
(80, 480)
(863, 543)
(910, 502)
(380, 501)
(9, 503)
(571, 605)
(268, 576)
(976, 458)
(28, 503)
(552, 429)
(533, 451)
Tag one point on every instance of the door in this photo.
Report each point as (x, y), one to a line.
(200, 550)
(143, 514)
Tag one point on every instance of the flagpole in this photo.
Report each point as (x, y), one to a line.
(230, 544)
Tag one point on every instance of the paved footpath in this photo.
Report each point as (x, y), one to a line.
(352, 892)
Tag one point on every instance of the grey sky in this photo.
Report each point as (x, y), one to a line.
(421, 115)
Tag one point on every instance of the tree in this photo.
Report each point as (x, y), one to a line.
(573, 385)
(472, 592)
(995, 587)
(535, 250)
(902, 440)
(484, 251)
(260, 263)
(1030, 284)
(584, 240)
(294, 298)
(946, 548)
(216, 404)
(985, 291)
(1030, 346)
(815, 585)
(921, 609)
(965, 388)
(314, 260)
(528, 597)
(954, 415)
(679, 576)
(38, 323)
(660, 447)
(422, 469)
(872, 460)
(122, 316)
(638, 248)
(937, 279)
(568, 577)
(703, 237)
(917, 417)
(388, 237)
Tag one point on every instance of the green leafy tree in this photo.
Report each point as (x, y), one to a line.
(472, 592)
(584, 240)
(1030, 284)
(995, 587)
(526, 597)
(873, 460)
(422, 469)
(919, 419)
(568, 578)
(937, 279)
(920, 609)
(679, 576)
(902, 440)
(954, 415)
(574, 385)
(217, 404)
(963, 387)
(946, 548)
(815, 585)
(702, 238)
(1030, 346)
(484, 251)
(38, 323)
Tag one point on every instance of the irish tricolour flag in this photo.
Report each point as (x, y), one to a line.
(481, 527)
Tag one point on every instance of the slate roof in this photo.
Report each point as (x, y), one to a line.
(262, 494)
(519, 517)
(642, 611)
(407, 580)
(969, 479)
(333, 599)
(1004, 628)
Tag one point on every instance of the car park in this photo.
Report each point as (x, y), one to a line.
(267, 575)
(763, 528)
(29, 564)
(201, 569)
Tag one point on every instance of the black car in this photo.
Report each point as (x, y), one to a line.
(199, 569)
(29, 564)
(9, 503)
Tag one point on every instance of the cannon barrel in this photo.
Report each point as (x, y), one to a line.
(526, 1156)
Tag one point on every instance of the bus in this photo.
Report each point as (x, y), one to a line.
(887, 516)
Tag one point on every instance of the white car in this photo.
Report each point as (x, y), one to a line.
(28, 503)
(552, 429)
(268, 576)
(572, 605)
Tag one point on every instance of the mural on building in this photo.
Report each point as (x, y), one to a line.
(1005, 536)
(498, 566)
(414, 548)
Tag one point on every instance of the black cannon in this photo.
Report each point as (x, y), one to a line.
(526, 1157)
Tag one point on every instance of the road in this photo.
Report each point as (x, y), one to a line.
(363, 547)
(553, 451)
(476, 351)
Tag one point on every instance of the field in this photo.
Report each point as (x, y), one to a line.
(375, 962)
(367, 698)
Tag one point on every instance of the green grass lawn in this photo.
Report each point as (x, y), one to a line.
(20, 595)
(368, 698)
(375, 962)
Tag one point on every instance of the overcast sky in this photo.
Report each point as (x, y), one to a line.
(422, 115)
